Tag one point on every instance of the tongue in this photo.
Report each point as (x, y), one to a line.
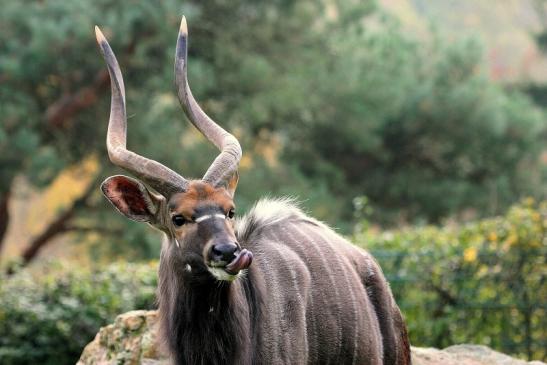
(242, 261)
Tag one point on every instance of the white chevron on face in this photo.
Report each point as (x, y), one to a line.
(209, 216)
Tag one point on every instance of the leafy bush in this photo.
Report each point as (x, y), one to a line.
(483, 282)
(48, 319)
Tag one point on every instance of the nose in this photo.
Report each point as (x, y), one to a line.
(225, 252)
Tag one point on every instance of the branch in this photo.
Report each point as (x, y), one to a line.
(58, 226)
(71, 104)
(82, 229)
(446, 296)
(4, 216)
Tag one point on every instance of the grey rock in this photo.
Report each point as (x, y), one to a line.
(132, 340)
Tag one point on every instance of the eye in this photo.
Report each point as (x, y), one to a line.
(231, 213)
(178, 220)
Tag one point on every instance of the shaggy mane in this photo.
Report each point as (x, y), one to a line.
(268, 212)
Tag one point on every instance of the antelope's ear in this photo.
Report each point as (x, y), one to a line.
(232, 184)
(131, 198)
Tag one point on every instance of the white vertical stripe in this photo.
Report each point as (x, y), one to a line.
(332, 280)
(353, 303)
(340, 268)
(309, 300)
(296, 286)
(272, 280)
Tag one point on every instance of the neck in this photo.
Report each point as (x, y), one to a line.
(205, 321)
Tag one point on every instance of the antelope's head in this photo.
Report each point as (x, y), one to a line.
(196, 215)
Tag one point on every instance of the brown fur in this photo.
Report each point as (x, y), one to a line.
(309, 297)
(200, 193)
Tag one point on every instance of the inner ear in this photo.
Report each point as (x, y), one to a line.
(131, 198)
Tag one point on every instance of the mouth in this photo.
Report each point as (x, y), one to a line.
(242, 261)
(233, 269)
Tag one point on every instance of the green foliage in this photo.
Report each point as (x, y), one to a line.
(417, 128)
(482, 282)
(48, 319)
(358, 107)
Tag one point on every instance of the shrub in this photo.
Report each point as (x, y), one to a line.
(418, 127)
(482, 282)
(48, 319)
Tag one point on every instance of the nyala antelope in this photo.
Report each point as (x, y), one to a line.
(273, 287)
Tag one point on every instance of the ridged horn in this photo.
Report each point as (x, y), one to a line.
(226, 163)
(159, 177)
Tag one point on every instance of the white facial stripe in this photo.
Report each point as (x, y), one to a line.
(209, 216)
(202, 218)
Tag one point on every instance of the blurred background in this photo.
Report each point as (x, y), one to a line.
(418, 128)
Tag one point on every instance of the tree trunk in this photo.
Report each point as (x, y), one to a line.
(57, 115)
(4, 216)
(59, 226)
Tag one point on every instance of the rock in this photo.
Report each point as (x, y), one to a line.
(132, 340)
(464, 355)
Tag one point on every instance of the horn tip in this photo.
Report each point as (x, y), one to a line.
(183, 26)
(99, 35)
